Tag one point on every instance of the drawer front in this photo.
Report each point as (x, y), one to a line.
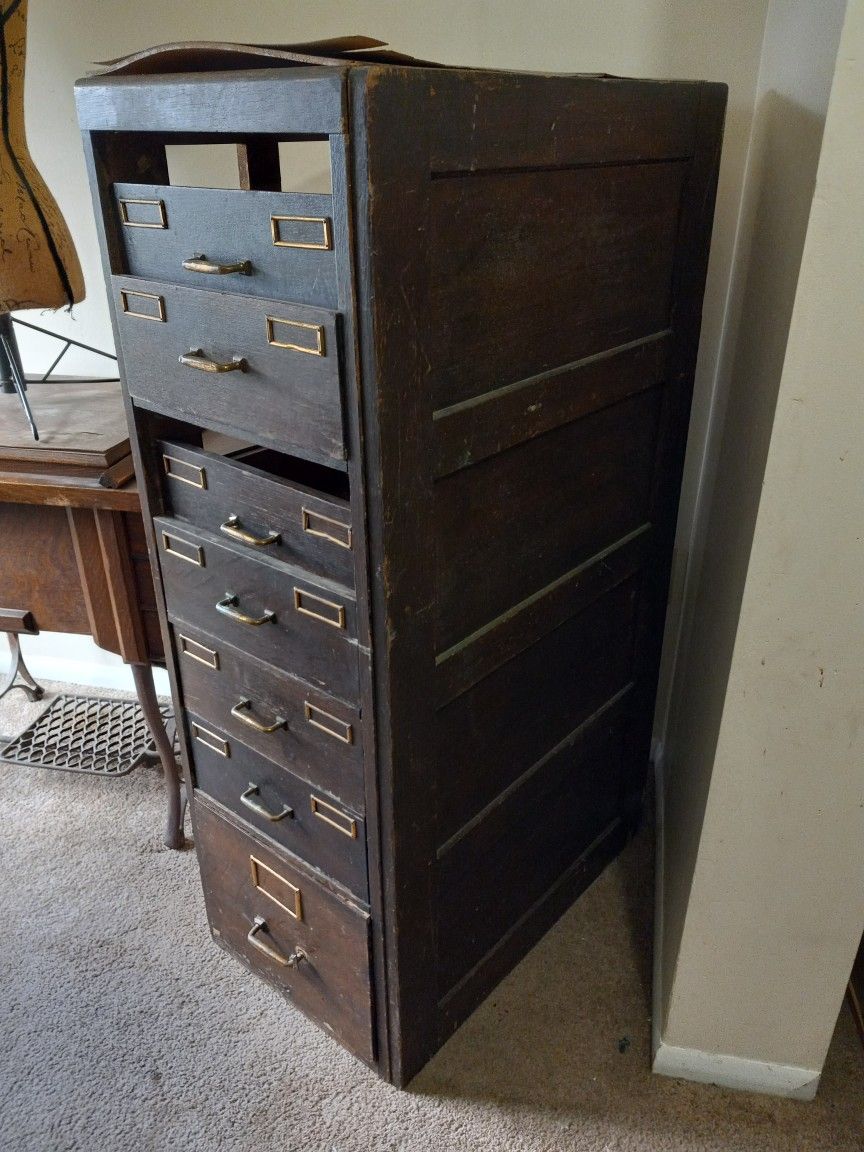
(276, 613)
(251, 367)
(275, 243)
(306, 820)
(267, 516)
(284, 719)
(290, 929)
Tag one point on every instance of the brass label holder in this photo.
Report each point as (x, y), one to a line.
(159, 205)
(325, 244)
(292, 898)
(211, 740)
(174, 546)
(327, 722)
(280, 339)
(195, 651)
(304, 600)
(196, 476)
(333, 816)
(325, 527)
(127, 295)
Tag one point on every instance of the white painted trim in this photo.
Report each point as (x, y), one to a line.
(657, 1004)
(77, 660)
(736, 1072)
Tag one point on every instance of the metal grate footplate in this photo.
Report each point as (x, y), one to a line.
(86, 734)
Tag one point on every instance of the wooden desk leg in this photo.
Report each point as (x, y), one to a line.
(146, 689)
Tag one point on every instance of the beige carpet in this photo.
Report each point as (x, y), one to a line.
(123, 1027)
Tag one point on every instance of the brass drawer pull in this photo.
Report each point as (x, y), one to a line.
(258, 808)
(200, 263)
(241, 712)
(303, 600)
(232, 529)
(260, 925)
(228, 607)
(195, 358)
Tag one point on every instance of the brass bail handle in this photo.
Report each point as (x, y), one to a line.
(233, 529)
(228, 607)
(200, 263)
(247, 799)
(259, 925)
(241, 711)
(195, 358)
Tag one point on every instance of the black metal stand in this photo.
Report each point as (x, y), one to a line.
(11, 371)
(18, 670)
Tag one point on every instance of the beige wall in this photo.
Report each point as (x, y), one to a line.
(793, 87)
(712, 39)
(774, 758)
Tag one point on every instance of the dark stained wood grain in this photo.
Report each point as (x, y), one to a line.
(288, 500)
(507, 120)
(315, 825)
(321, 740)
(511, 525)
(199, 572)
(474, 429)
(480, 654)
(286, 397)
(348, 188)
(534, 271)
(487, 737)
(523, 933)
(261, 101)
(230, 226)
(331, 984)
(391, 145)
(519, 263)
(504, 863)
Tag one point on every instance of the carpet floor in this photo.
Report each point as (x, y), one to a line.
(123, 1027)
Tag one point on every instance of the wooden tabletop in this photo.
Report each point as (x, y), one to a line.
(82, 436)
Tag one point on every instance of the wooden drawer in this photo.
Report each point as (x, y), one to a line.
(269, 515)
(319, 739)
(307, 821)
(257, 368)
(250, 889)
(277, 613)
(283, 240)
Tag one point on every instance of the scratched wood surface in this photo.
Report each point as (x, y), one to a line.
(519, 266)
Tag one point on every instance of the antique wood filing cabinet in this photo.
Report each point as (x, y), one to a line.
(415, 603)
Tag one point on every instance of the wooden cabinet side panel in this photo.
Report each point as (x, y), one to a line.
(389, 139)
(640, 209)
